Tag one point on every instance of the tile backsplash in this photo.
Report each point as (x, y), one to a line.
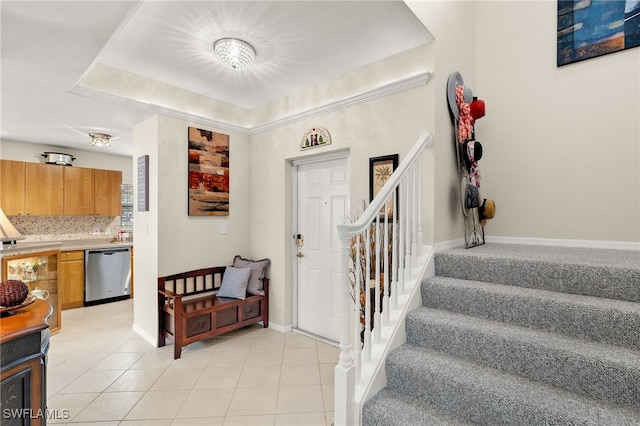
(59, 228)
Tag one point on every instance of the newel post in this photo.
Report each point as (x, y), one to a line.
(344, 387)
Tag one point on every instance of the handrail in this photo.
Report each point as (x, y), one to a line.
(424, 140)
(378, 254)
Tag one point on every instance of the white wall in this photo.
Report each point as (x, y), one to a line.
(383, 126)
(145, 230)
(99, 158)
(168, 240)
(561, 145)
(452, 23)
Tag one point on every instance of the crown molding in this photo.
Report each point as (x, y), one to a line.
(369, 95)
(366, 96)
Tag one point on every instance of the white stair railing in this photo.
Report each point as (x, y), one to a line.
(379, 250)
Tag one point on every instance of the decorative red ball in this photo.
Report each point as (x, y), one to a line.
(13, 293)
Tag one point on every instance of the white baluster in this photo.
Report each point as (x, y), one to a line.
(376, 285)
(357, 338)
(387, 269)
(394, 253)
(367, 295)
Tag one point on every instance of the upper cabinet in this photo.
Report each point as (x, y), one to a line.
(108, 192)
(50, 190)
(12, 187)
(43, 189)
(30, 189)
(78, 191)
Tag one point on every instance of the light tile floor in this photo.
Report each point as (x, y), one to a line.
(102, 373)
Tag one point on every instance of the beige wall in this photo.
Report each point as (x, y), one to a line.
(562, 155)
(452, 23)
(561, 145)
(260, 223)
(168, 240)
(146, 233)
(381, 127)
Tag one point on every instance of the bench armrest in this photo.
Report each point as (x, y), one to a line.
(170, 294)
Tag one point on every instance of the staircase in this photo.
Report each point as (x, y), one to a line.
(519, 335)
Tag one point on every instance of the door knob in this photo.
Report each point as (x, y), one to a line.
(300, 254)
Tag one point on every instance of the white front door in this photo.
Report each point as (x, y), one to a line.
(322, 204)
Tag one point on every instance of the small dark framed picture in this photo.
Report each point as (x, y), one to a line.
(380, 170)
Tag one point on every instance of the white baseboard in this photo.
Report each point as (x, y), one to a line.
(615, 245)
(280, 328)
(153, 340)
(446, 245)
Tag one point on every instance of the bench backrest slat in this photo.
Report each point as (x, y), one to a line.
(193, 282)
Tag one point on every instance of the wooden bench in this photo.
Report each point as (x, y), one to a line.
(190, 311)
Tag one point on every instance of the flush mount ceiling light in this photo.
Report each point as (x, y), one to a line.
(233, 53)
(100, 139)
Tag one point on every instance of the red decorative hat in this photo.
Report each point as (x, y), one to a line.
(477, 109)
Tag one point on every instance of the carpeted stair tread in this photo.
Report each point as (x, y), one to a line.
(490, 397)
(613, 374)
(605, 273)
(390, 407)
(603, 320)
(520, 335)
(556, 254)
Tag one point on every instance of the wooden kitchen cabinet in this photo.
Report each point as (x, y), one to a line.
(44, 189)
(31, 189)
(71, 279)
(51, 190)
(92, 192)
(78, 191)
(108, 192)
(12, 187)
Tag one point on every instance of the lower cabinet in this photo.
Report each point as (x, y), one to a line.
(71, 279)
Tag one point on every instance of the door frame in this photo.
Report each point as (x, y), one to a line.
(295, 163)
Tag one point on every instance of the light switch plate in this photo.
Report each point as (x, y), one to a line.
(223, 228)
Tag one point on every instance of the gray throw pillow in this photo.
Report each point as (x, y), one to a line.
(258, 271)
(234, 283)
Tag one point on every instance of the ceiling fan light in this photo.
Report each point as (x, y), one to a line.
(100, 139)
(234, 54)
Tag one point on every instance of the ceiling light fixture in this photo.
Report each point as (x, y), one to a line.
(100, 139)
(233, 53)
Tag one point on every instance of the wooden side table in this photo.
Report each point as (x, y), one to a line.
(24, 343)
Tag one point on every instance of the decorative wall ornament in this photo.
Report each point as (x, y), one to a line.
(380, 170)
(208, 173)
(465, 109)
(315, 137)
(587, 29)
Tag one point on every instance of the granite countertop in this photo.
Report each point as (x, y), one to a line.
(63, 245)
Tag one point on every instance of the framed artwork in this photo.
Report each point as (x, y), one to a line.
(208, 173)
(315, 137)
(380, 170)
(590, 28)
(143, 183)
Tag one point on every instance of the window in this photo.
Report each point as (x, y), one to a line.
(126, 218)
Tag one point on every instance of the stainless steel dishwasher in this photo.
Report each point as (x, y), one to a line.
(107, 275)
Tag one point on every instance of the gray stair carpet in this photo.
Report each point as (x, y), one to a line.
(519, 335)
